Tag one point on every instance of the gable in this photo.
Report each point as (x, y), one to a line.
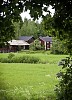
(46, 39)
(26, 38)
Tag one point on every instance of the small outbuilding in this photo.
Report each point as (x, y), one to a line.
(46, 41)
(16, 45)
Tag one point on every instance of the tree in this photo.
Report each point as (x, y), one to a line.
(58, 46)
(64, 88)
(17, 29)
(36, 45)
(10, 9)
(48, 25)
(28, 28)
(63, 22)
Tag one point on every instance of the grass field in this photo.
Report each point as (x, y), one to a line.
(20, 81)
(44, 56)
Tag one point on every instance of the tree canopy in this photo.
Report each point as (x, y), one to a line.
(11, 9)
(29, 28)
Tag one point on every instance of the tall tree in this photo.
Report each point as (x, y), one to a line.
(48, 25)
(17, 28)
(28, 28)
(10, 9)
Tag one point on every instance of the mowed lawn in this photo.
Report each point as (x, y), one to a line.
(20, 81)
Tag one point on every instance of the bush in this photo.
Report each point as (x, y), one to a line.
(23, 59)
(28, 59)
(34, 60)
(36, 45)
(64, 88)
(58, 47)
(15, 60)
(10, 55)
(5, 60)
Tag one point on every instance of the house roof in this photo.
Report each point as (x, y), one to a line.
(18, 42)
(25, 38)
(47, 38)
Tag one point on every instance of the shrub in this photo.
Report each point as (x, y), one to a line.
(58, 47)
(15, 60)
(10, 55)
(28, 59)
(34, 60)
(64, 88)
(5, 60)
(36, 45)
(23, 59)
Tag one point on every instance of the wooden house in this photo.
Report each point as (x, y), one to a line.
(28, 39)
(46, 41)
(15, 45)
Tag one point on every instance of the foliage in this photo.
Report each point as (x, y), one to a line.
(10, 55)
(9, 10)
(63, 22)
(43, 56)
(22, 59)
(58, 47)
(17, 28)
(5, 60)
(36, 45)
(64, 88)
(28, 28)
(48, 26)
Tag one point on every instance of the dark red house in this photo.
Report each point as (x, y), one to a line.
(46, 41)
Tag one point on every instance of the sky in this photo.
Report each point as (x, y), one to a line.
(27, 15)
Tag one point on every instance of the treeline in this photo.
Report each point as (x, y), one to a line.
(30, 27)
(45, 28)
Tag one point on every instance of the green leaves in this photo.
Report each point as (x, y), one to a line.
(64, 88)
(10, 10)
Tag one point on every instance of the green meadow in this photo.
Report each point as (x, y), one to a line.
(24, 81)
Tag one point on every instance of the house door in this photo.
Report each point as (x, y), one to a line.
(47, 45)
